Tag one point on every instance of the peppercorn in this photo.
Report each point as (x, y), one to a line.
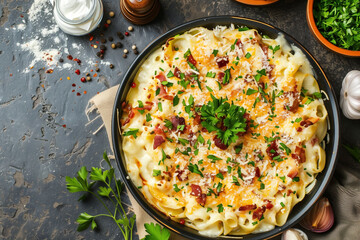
(77, 71)
(102, 56)
(120, 35)
(87, 74)
(126, 51)
(102, 47)
(133, 47)
(130, 28)
(88, 79)
(118, 45)
(113, 45)
(126, 34)
(111, 39)
(61, 60)
(102, 51)
(103, 40)
(111, 66)
(82, 79)
(97, 69)
(124, 56)
(95, 46)
(136, 52)
(108, 21)
(98, 54)
(111, 14)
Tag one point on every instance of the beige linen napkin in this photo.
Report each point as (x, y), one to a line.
(103, 103)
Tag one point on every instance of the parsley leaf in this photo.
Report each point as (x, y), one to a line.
(156, 232)
(354, 151)
(156, 172)
(274, 49)
(131, 132)
(194, 168)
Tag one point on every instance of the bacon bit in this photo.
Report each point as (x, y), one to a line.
(295, 104)
(257, 172)
(182, 175)
(167, 41)
(176, 121)
(201, 199)
(314, 140)
(158, 140)
(308, 122)
(265, 49)
(247, 207)
(177, 72)
(299, 155)
(219, 144)
(273, 146)
(222, 61)
(258, 213)
(289, 192)
(161, 77)
(191, 59)
(221, 77)
(182, 221)
(195, 190)
(197, 119)
(268, 205)
(299, 129)
(131, 114)
(168, 97)
(293, 173)
(167, 173)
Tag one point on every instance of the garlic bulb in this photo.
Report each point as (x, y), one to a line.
(320, 218)
(294, 234)
(350, 95)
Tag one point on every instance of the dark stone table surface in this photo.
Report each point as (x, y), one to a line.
(43, 131)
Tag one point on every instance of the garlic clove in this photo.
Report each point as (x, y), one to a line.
(320, 218)
(350, 95)
(294, 234)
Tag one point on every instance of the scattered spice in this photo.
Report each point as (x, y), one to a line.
(111, 14)
(133, 47)
(78, 94)
(108, 21)
(133, 85)
(118, 45)
(110, 39)
(130, 28)
(102, 47)
(61, 60)
(113, 45)
(88, 79)
(49, 71)
(136, 52)
(85, 92)
(64, 125)
(127, 34)
(95, 46)
(111, 66)
(82, 79)
(120, 35)
(124, 55)
(126, 51)
(68, 78)
(87, 74)
(97, 69)
(70, 57)
(74, 85)
(103, 40)
(77, 71)
(182, 221)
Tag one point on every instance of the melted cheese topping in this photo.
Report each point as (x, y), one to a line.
(252, 185)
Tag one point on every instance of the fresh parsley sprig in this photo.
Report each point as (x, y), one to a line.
(156, 232)
(226, 119)
(108, 187)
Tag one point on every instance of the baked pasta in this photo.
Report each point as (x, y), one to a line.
(222, 130)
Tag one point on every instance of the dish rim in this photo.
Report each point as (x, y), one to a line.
(116, 138)
(317, 34)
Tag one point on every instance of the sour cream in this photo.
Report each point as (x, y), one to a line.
(78, 17)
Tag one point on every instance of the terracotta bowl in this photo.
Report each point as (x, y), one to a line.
(257, 2)
(315, 31)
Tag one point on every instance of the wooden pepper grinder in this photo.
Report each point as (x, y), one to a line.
(140, 11)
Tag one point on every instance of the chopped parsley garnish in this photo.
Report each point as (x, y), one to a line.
(241, 29)
(233, 45)
(227, 76)
(285, 148)
(220, 208)
(157, 92)
(282, 204)
(238, 148)
(262, 186)
(219, 112)
(176, 188)
(148, 117)
(163, 156)
(141, 105)
(213, 157)
(160, 106)
(296, 179)
(183, 141)
(176, 100)
(167, 84)
(170, 74)
(251, 91)
(274, 49)
(235, 181)
(215, 52)
(168, 124)
(317, 95)
(209, 89)
(259, 74)
(210, 74)
(131, 132)
(156, 172)
(220, 175)
(194, 168)
(248, 55)
(187, 53)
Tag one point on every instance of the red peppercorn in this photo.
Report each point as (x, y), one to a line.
(106, 25)
(78, 61)
(182, 222)
(78, 94)
(77, 71)
(70, 57)
(133, 85)
(102, 51)
(83, 79)
(126, 34)
(74, 85)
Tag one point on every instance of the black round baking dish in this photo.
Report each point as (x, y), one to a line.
(331, 148)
